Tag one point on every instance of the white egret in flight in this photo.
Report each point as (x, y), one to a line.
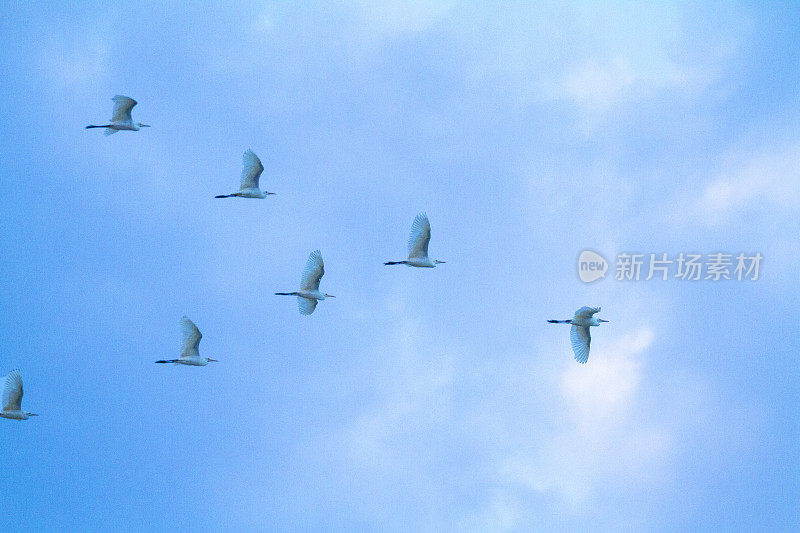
(579, 333)
(251, 171)
(418, 245)
(121, 120)
(12, 398)
(309, 292)
(190, 353)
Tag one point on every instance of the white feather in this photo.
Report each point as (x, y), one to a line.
(306, 305)
(251, 170)
(579, 335)
(313, 272)
(586, 312)
(122, 109)
(191, 338)
(12, 393)
(420, 236)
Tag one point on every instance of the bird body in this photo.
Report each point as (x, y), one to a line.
(12, 398)
(251, 172)
(121, 120)
(312, 295)
(579, 332)
(419, 262)
(246, 193)
(309, 293)
(418, 245)
(190, 361)
(190, 346)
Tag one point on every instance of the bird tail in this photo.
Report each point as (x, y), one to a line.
(167, 361)
(394, 263)
(109, 131)
(560, 321)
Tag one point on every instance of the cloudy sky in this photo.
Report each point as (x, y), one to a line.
(417, 399)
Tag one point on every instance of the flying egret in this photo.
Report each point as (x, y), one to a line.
(579, 333)
(309, 292)
(121, 120)
(251, 171)
(418, 245)
(12, 398)
(190, 353)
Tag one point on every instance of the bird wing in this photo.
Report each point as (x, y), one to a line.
(579, 335)
(306, 305)
(420, 236)
(12, 393)
(191, 338)
(586, 312)
(313, 272)
(251, 170)
(122, 108)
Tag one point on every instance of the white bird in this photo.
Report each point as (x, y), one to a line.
(12, 398)
(121, 120)
(190, 352)
(251, 171)
(418, 245)
(579, 333)
(309, 293)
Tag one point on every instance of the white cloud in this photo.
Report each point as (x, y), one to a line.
(597, 86)
(535, 424)
(393, 18)
(81, 58)
(594, 437)
(502, 512)
(601, 392)
(598, 68)
(415, 395)
(771, 176)
(352, 32)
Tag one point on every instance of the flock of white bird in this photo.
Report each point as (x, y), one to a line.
(307, 296)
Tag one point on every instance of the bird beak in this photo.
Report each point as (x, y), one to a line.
(330, 296)
(601, 320)
(144, 125)
(437, 261)
(213, 360)
(270, 193)
(32, 414)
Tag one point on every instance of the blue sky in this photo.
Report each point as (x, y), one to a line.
(416, 400)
